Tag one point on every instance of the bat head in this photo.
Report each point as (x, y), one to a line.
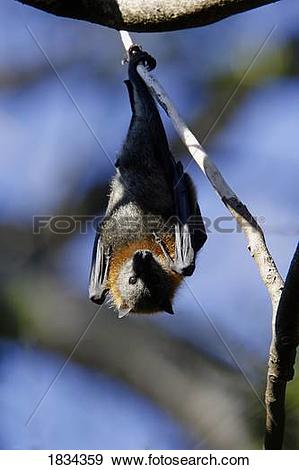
(144, 284)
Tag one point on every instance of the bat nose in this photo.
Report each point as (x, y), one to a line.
(141, 259)
(143, 255)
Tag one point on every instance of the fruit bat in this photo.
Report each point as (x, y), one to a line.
(153, 228)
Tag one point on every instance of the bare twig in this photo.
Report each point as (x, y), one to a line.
(149, 16)
(282, 356)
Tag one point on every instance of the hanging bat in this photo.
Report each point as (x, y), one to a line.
(152, 229)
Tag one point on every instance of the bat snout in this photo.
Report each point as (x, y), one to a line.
(141, 260)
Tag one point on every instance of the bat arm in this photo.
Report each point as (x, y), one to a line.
(98, 289)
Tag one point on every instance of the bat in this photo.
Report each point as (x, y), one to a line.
(152, 229)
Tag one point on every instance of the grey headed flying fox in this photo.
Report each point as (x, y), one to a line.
(152, 229)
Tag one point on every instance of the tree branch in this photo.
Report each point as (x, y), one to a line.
(148, 16)
(282, 356)
(252, 231)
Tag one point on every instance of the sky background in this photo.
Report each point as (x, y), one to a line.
(64, 114)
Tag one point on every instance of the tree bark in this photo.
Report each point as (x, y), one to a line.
(149, 15)
(282, 356)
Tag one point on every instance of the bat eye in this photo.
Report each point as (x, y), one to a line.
(132, 280)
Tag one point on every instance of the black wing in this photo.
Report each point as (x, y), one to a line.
(98, 289)
(190, 234)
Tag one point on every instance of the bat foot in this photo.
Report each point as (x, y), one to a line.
(138, 56)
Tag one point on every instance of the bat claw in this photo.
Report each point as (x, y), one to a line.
(138, 56)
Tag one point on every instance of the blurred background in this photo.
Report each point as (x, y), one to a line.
(71, 377)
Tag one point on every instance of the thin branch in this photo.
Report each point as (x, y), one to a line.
(149, 15)
(282, 356)
(250, 227)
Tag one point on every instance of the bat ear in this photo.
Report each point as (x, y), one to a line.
(167, 307)
(123, 312)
